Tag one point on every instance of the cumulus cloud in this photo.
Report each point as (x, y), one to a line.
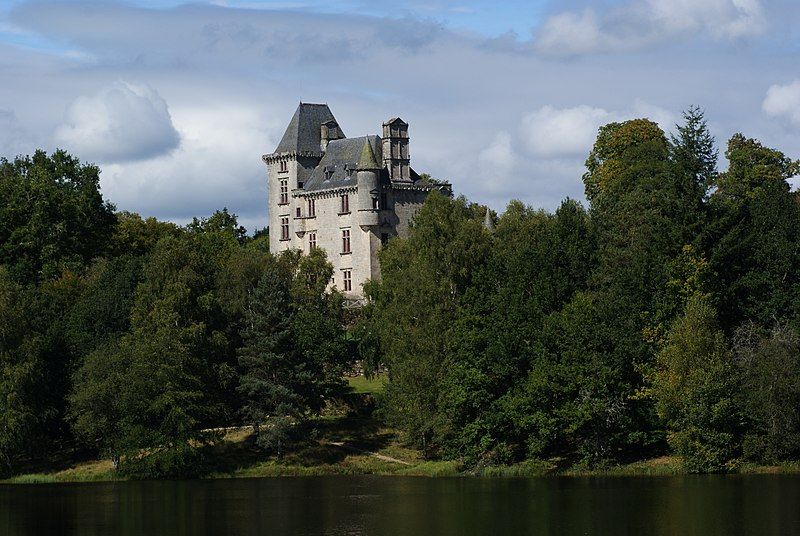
(217, 165)
(551, 132)
(499, 155)
(783, 101)
(122, 122)
(642, 23)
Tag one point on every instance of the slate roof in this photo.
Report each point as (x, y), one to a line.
(366, 160)
(302, 134)
(341, 159)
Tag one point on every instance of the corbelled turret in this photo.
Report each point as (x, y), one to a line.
(368, 176)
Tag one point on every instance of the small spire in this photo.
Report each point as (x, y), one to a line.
(487, 221)
(367, 162)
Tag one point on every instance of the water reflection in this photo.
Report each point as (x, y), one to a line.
(702, 505)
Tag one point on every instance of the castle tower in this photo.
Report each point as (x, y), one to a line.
(395, 150)
(367, 177)
(290, 166)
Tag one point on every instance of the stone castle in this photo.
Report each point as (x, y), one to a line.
(347, 196)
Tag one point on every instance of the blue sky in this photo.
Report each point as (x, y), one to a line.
(177, 101)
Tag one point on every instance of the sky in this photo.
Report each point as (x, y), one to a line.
(177, 101)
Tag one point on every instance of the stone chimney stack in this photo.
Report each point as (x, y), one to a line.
(395, 150)
(328, 131)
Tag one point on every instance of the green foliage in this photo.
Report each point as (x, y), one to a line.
(644, 324)
(414, 307)
(134, 235)
(769, 364)
(694, 386)
(19, 369)
(52, 216)
(754, 236)
(141, 400)
(694, 154)
(221, 221)
(294, 353)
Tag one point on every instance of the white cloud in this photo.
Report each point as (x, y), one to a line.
(552, 132)
(499, 155)
(783, 101)
(641, 23)
(571, 33)
(217, 165)
(122, 122)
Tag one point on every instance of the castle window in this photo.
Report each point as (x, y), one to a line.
(384, 201)
(299, 212)
(312, 208)
(345, 204)
(348, 280)
(312, 241)
(285, 228)
(375, 203)
(284, 192)
(345, 240)
(284, 167)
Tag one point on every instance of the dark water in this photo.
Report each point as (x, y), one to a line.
(709, 505)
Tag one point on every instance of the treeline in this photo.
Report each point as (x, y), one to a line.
(663, 318)
(134, 338)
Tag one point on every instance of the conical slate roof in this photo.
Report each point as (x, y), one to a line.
(366, 161)
(303, 132)
(488, 223)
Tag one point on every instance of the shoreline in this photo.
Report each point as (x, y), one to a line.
(357, 464)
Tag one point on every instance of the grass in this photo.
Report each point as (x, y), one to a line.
(364, 386)
(661, 466)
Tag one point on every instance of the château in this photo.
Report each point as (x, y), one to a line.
(347, 196)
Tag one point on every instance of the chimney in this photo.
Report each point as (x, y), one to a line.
(395, 150)
(328, 131)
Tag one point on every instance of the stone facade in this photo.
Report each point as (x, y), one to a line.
(347, 196)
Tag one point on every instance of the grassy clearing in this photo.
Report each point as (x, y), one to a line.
(363, 386)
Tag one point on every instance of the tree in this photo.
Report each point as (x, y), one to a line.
(293, 354)
(753, 238)
(220, 221)
(694, 152)
(694, 385)
(413, 309)
(141, 400)
(52, 216)
(769, 364)
(19, 370)
(134, 235)
(269, 359)
(634, 204)
(537, 262)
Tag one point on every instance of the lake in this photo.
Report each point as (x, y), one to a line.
(364, 505)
